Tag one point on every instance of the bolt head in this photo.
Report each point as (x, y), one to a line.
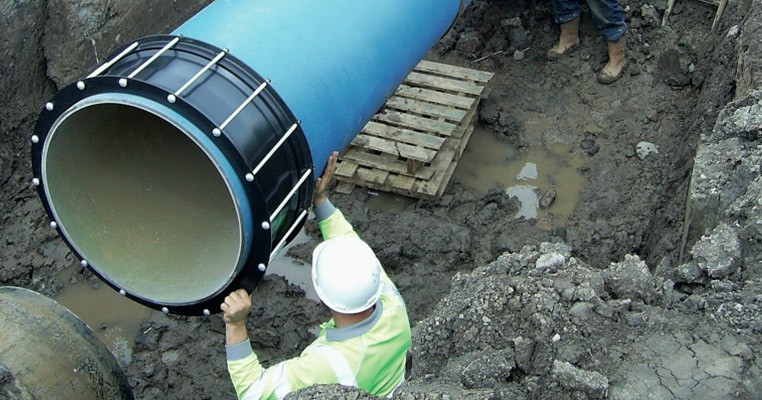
(123, 82)
(207, 313)
(36, 181)
(122, 292)
(49, 106)
(265, 225)
(216, 132)
(172, 98)
(54, 225)
(35, 139)
(250, 177)
(83, 263)
(81, 85)
(165, 310)
(262, 267)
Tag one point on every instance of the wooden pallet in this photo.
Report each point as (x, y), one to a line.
(412, 146)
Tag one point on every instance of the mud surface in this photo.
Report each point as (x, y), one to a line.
(652, 289)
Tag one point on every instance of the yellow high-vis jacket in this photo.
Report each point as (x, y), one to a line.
(369, 355)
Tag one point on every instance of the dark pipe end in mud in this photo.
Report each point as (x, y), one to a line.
(46, 352)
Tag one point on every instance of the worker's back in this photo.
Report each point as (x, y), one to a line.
(371, 354)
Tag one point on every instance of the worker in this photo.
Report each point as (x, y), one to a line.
(364, 345)
(608, 19)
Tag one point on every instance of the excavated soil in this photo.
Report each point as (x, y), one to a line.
(652, 289)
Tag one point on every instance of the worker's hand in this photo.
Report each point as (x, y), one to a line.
(321, 184)
(236, 307)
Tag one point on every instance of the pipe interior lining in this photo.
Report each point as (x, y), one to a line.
(143, 203)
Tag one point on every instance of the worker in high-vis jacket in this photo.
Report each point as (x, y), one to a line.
(365, 343)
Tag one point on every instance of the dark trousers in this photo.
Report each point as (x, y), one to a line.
(607, 16)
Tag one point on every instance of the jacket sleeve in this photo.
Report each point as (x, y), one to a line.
(331, 221)
(252, 381)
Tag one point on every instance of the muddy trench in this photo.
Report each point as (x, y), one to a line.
(643, 279)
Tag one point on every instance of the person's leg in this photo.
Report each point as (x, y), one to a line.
(567, 14)
(609, 20)
(566, 10)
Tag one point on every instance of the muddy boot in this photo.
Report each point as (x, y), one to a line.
(568, 41)
(617, 62)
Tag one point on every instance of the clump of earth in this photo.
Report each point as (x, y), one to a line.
(652, 289)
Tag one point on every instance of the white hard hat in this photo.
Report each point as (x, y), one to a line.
(346, 274)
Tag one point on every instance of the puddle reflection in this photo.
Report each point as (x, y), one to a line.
(525, 174)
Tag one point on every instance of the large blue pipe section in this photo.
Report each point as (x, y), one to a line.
(179, 167)
(333, 62)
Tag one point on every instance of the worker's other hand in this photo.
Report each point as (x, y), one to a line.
(321, 184)
(236, 307)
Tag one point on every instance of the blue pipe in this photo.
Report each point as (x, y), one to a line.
(179, 167)
(334, 63)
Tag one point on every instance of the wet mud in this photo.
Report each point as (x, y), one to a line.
(651, 287)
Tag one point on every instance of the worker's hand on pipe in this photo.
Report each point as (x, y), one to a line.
(321, 184)
(236, 307)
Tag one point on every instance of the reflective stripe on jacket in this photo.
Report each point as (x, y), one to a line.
(369, 355)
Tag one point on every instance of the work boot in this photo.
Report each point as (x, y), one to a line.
(568, 41)
(617, 61)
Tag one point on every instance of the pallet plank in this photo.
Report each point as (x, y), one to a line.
(461, 144)
(403, 135)
(424, 108)
(438, 82)
(411, 121)
(346, 169)
(375, 143)
(431, 187)
(437, 97)
(375, 176)
(454, 71)
(403, 183)
(376, 161)
(461, 129)
(416, 153)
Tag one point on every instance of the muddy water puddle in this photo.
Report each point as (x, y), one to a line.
(526, 174)
(294, 271)
(114, 319)
(383, 201)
